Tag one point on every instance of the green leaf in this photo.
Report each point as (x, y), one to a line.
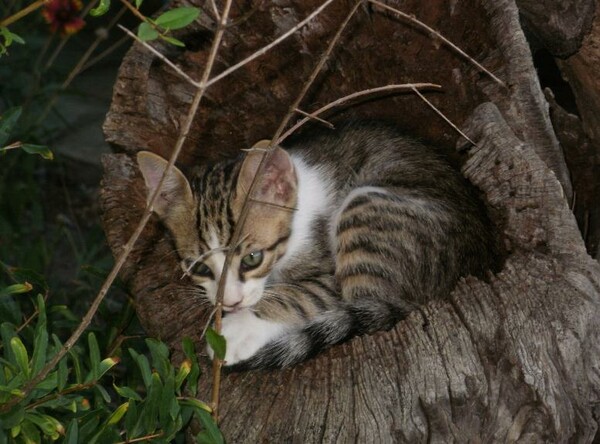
(30, 433)
(72, 434)
(13, 417)
(40, 343)
(146, 32)
(126, 392)
(216, 342)
(62, 374)
(103, 393)
(193, 402)
(144, 366)
(132, 423)
(94, 355)
(138, 3)
(148, 416)
(101, 9)
(8, 121)
(168, 406)
(16, 289)
(21, 356)
(184, 371)
(211, 433)
(47, 424)
(105, 365)
(116, 416)
(42, 150)
(173, 41)
(160, 356)
(177, 18)
(190, 353)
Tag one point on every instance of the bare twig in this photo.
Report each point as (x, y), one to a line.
(354, 96)
(274, 43)
(439, 113)
(314, 74)
(422, 25)
(128, 247)
(112, 48)
(173, 66)
(313, 117)
(142, 438)
(22, 13)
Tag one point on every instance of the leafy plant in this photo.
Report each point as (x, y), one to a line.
(92, 399)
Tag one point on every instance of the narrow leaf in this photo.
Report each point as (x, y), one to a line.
(42, 150)
(216, 342)
(72, 434)
(211, 434)
(21, 356)
(126, 392)
(101, 9)
(94, 354)
(144, 366)
(173, 41)
(196, 403)
(116, 416)
(177, 18)
(8, 120)
(146, 32)
(105, 365)
(16, 289)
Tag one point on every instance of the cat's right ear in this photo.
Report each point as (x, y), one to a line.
(175, 192)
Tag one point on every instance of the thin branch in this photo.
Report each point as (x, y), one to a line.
(22, 13)
(313, 117)
(173, 66)
(439, 113)
(422, 25)
(112, 48)
(128, 247)
(315, 73)
(357, 95)
(142, 438)
(265, 49)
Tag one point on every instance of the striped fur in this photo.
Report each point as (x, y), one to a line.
(382, 224)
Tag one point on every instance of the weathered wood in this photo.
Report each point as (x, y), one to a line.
(558, 25)
(581, 71)
(509, 359)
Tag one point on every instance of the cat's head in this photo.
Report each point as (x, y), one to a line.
(203, 214)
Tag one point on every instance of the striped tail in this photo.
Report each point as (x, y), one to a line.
(327, 329)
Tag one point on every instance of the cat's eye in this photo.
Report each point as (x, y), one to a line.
(201, 269)
(252, 260)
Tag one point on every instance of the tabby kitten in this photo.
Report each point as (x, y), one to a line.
(349, 231)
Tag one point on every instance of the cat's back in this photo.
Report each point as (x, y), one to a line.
(358, 153)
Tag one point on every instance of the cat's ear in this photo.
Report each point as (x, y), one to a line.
(175, 192)
(277, 183)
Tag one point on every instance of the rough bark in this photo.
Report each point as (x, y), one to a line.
(511, 358)
(558, 25)
(581, 71)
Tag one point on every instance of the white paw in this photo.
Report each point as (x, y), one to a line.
(245, 334)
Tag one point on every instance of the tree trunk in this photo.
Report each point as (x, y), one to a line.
(514, 357)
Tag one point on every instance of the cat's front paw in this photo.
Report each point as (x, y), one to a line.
(245, 334)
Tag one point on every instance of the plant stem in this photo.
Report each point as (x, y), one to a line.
(22, 13)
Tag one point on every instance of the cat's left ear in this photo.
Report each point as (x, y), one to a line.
(277, 182)
(175, 193)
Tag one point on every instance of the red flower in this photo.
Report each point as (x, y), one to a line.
(62, 15)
